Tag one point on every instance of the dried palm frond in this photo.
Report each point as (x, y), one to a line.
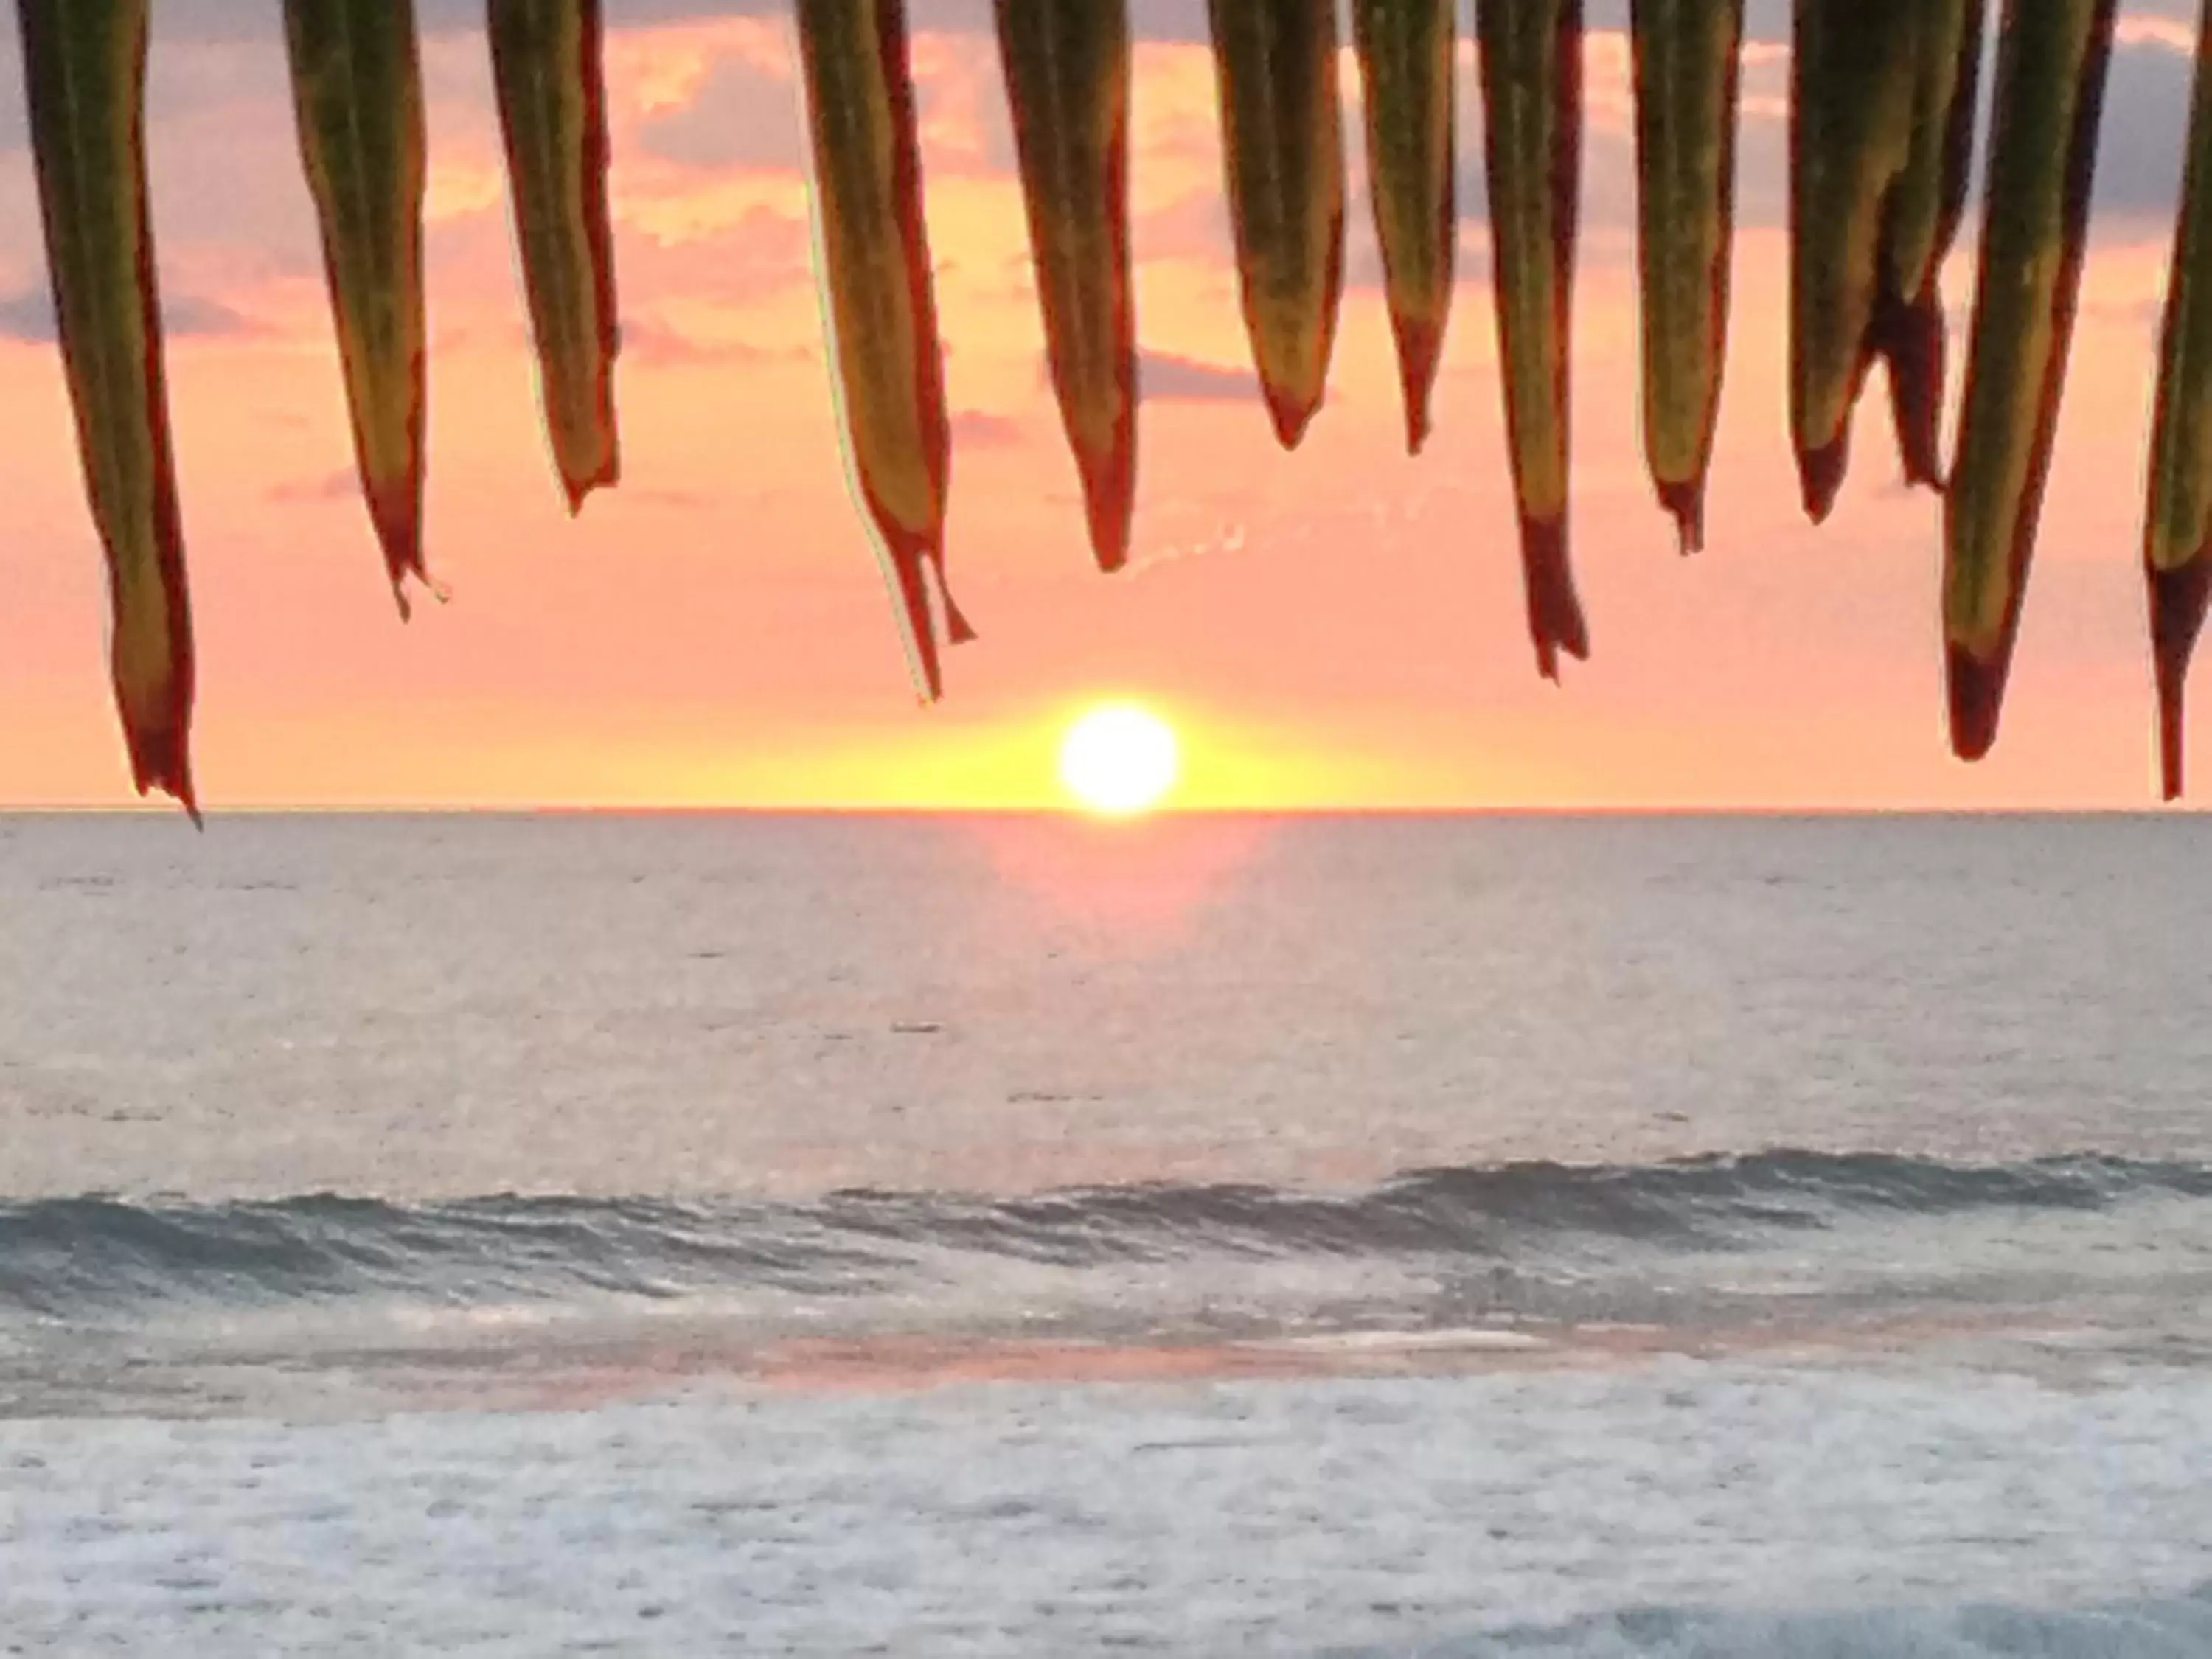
(84, 66)
(357, 95)
(1685, 57)
(1409, 91)
(1275, 68)
(882, 300)
(1531, 102)
(2051, 60)
(552, 96)
(2177, 520)
(1067, 80)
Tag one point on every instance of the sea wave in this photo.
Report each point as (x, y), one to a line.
(62, 1258)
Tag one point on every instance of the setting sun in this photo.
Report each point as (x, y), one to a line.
(1119, 760)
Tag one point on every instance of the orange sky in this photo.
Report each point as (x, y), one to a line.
(1342, 627)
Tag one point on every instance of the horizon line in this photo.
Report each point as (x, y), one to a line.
(1076, 815)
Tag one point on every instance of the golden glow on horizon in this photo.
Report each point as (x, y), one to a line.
(1119, 760)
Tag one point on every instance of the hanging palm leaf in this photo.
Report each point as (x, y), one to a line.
(882, 301)
(1852, 80)
(1067, 79)
(2178, 521)
(1409, 74)
(1685, 56)
(357, 93)
(1881, 141)
(545, 60)
(84, 66)
(1531, 52)
(1275, 67)
(2052, 56)
(1920, 220)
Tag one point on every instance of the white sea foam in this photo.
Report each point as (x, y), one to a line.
(1802, 1513)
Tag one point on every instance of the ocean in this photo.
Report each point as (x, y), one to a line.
(1553, 1237)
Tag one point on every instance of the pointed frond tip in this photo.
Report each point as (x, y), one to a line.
(1911, 339)
(2178, 599)
(1555, 614)
(1685, 502)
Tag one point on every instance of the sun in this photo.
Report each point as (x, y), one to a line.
(1119, 760)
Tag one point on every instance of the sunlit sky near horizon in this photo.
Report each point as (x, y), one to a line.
(1342, 627)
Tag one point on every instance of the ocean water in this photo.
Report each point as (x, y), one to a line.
(1668, 1238)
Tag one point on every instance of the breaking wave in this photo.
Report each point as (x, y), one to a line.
(66, 1258)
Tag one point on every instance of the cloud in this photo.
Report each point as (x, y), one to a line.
(666, 497)
(2146, 128)
(28, 316)
(737, 117)
(746, 249)
(232, 20)
(195, 317)
(340, 486)
(1168, 378)
(978, 428)
(655, 343)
